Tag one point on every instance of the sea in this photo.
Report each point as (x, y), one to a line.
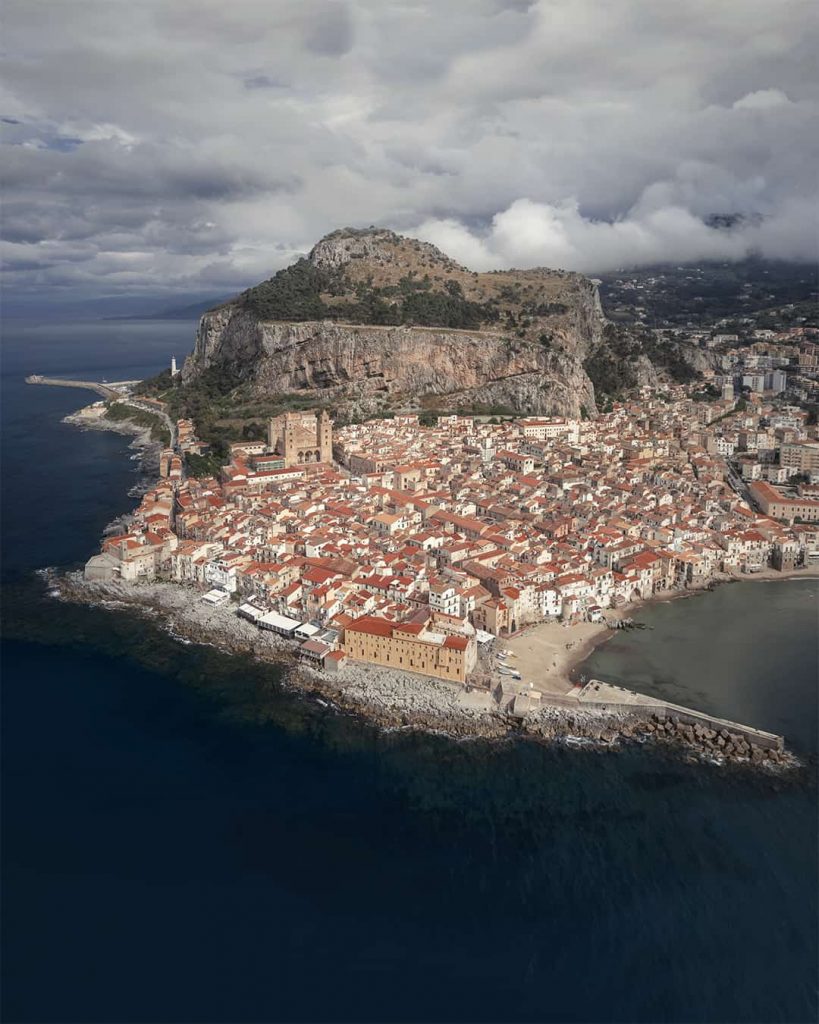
(184, 839)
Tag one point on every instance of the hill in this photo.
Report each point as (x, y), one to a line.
(373, 323)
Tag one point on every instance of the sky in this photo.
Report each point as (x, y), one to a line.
(160, 148)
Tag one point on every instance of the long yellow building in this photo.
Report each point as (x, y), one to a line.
(411, 647)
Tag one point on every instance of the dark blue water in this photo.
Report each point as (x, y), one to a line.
(61, 486)
(183, 841)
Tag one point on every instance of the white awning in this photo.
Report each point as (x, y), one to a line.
(250, 612)
(281, 623)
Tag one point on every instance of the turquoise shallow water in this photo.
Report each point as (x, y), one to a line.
(185, 841)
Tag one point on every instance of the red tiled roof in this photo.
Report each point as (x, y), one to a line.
(372, 625)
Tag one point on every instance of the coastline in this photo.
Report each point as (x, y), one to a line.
(602, 633)
(394, 700)
(146, 449)
(554, 652)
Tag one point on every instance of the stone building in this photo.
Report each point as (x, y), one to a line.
(301, 437)
(773, 503)
(410, 647)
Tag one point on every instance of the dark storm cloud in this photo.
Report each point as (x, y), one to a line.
(331, 31)
(262, 82)
(199, 144)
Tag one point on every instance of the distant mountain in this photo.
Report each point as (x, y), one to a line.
(192, 311)
(727, 221)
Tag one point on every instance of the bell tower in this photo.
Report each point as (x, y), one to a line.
(273, 433)
(325, 436)
(291, 439)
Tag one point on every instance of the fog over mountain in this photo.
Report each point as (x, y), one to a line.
(159, 148)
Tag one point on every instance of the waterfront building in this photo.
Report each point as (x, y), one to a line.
(410, 646)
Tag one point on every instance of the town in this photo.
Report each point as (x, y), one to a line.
(408, 546)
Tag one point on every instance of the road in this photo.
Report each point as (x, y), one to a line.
(110, 393)
(137, 403)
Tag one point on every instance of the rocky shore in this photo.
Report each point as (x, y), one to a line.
(146, 449)
(393, 700)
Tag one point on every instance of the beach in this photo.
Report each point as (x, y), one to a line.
(546, 654)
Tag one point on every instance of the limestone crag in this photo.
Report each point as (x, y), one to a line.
(370, 368)
(341, 247)
(526, 354)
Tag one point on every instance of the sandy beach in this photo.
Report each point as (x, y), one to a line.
(546, 653)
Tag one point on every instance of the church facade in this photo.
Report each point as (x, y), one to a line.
(301, 437)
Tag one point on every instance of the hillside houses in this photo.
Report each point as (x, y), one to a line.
(468, 524)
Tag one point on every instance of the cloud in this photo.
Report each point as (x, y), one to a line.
(762, 99)
(529, 234)
(159, 147)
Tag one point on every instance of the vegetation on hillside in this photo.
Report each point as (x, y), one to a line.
(668, 356)
(612, 367)
(305, 292)
(220, 411)
(295, 293)
(708, 393)
(119, 412)
(204, 465)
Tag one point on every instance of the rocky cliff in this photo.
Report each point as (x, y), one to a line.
(374, 322)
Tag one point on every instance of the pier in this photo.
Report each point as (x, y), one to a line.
(106, 390)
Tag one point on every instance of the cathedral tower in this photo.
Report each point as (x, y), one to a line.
(325, 437)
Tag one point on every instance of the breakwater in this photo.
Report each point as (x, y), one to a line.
(89, 385)
(688, 723)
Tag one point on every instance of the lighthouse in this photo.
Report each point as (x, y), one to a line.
(174, 370)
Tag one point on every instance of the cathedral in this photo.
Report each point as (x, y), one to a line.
(301, 437)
